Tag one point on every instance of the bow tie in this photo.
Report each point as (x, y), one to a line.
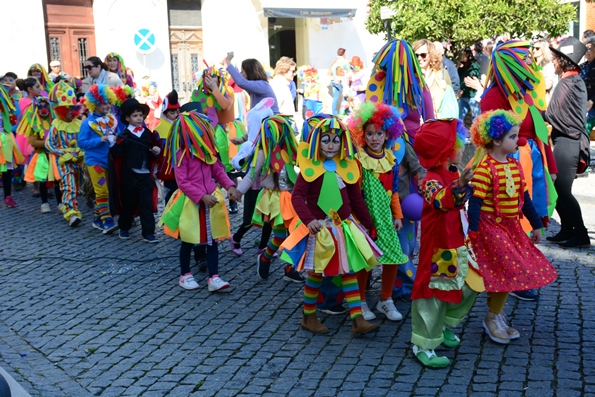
(138, 129)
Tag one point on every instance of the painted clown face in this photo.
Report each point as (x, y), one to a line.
(330, 144)
(375, 138)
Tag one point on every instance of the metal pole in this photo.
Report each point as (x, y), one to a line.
(387, 25)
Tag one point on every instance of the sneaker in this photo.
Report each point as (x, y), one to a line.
(388, 308)
(235, 247)
(45, 208)
(187, 281)
(496, 328)
(98, 224)
(428, 358)
(337, 309)
(73, 221)
(150, 238)
(262, 268)
(123, 234)
(216, 284)
(9, 202)
(512, 332)
(293, 276)
(109, 226)
(366, 312)
(531, 295)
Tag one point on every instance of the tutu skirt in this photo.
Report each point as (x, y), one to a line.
(42, 167)
(273, 206)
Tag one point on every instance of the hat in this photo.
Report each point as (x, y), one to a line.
(191, 107)
(54, 63)
(170, 102)
(356, 62)
(131, 105)
(438, 140)
(571, 49)
(63, 95)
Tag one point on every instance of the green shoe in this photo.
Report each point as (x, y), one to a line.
(428, 358)
(450, 339)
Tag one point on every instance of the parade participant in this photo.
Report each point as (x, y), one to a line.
(508, 258)
(440, 296)
(169, 113)
(150, 97)
(196, 213)
(38, 71)
(272, 162)
(32, 89)
(115, 64)
(10, 155)
(327, 240)
(375, 127)
(136, 150)
(35, 125)
(97, 135)
(66, 157)
(98, 74)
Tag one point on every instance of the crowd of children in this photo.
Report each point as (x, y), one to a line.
(341, 199)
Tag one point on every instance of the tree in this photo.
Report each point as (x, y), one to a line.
(465, 21)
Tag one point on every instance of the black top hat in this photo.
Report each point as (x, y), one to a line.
(571, 49)
(130, 105)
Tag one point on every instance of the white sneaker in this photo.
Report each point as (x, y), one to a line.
(512, 332)
(187, 281)
(45, 208)
(216, 284)
(74, 220)
(366, 312)
(388, 308)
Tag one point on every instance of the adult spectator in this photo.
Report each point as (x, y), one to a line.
(482, 58)
(543, 57)
(437, 79)
(56, 71)
(588, 76)
(588, 33)
(468, 67)
(566, 113)
(338, 71)
(449, 66)
(98, 74)
(284, 72)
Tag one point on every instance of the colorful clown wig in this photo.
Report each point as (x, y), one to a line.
(277, 141)
(383, 117)
(99, 94)
(404, 83)
(310, 123)
(510, 71)
(122, 93)
(491, 126)
(191, 135)
(330, 124)
(44, 80)
(145, 88)
(121, 71)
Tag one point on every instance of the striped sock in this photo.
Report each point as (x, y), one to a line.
(103, 208)
(279, 236)
(311, 289)
(352, 296)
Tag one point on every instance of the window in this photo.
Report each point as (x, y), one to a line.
(83, 50)
(55, 49)
(194, 63)
(184, 13)
(174, 72)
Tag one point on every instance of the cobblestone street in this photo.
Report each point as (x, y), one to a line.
(86, 314)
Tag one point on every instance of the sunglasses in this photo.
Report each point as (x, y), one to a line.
(422, 55)
(88, 67)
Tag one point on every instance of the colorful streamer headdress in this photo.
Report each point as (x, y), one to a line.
(384, 117)
(202, 93)
(45, 81)
(7, 108)
(330, 124)
(190, 135)
(37, 118)
(121, 72)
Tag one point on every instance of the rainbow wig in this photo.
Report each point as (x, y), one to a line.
(310, 123)
(191, 135)
(145, 88)
(99, 94)
(330, 124)
(509, 70)
(121, 71)
(404, 82)
(122, 93)
(491, 126)
(277, 141)
(382, 116)
(45, 81)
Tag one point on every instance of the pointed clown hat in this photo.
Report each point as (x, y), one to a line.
(63, 95)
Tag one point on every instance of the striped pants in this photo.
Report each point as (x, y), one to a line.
(70, 176)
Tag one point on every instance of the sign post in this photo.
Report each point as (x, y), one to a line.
(386, 14)
(144, 41)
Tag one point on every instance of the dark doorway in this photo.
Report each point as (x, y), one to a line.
(281, 39)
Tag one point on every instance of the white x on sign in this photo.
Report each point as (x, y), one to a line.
(144, 40)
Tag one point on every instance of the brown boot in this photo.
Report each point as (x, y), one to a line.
(312, 324)
(359, 326)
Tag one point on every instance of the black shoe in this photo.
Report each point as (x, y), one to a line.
(337, 309)
(581, 241)
(262, 268)
(562, 235)
(294, 276)
(530, 295)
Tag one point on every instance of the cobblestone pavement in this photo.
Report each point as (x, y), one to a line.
(86, 314)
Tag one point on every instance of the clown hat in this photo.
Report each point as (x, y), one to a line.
(131, 105)
(438, 140)
(63, 95)
(170, 102)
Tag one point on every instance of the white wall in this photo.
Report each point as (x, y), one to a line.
(234, 25)
(23, 37)
(116, 21)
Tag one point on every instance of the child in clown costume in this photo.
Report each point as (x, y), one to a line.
(35, 125)
(508, 258)
(38, 71)
(375, 128)
(10, 155)
(272, 162)
(440, 295)
(327, 240)
(62, 143)
(97, 135)
(196, 213)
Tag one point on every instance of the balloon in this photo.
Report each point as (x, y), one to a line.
(411, 206)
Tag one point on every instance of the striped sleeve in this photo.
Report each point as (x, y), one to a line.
(482, 181)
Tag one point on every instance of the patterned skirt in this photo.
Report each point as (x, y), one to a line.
(273, 206)
(42, 167)
(507, 258)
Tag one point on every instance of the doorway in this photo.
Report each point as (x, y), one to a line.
(281, 39)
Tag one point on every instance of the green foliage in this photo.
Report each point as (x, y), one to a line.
(464, 21)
